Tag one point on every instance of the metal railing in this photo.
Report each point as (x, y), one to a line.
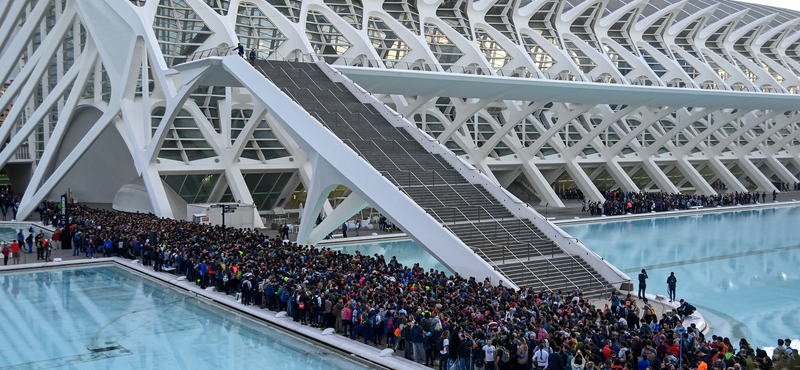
(22, 153)
(575, 261)
(528, 268)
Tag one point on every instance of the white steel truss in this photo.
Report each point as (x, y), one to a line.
(93, 78)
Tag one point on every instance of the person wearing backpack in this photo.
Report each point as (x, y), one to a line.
(388, 325)
(464, 351)
(672, 282)
(316, 310)
(443, 346)
(478, 357)
(455, 340)
(428, 343)
(503, 360)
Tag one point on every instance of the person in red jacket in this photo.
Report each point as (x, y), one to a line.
(6, 252)
(15, 252)
(56, 238)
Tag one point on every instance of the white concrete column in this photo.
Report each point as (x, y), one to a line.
(624, 181)
(750, 169)
(780, 170)
(343, 212)
(733, 184)
(583, 181)
(317, 192)
(659, 177)
(542, 186)
(701, 186)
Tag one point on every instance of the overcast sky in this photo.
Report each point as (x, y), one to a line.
(788, 4)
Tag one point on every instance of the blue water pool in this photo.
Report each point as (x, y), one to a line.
(407, 251)
(8, 232)
(739, 268)
(109, 318)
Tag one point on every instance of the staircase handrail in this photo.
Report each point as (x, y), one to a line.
(311, 79)
(528, 268)
(575, 260)
(494, 265)
(349, 125)
(522, 222)
(411, 173)
(290, 78)
(387, 157)
(451, 230)
(340, 101)
(530, 246)
(361, 116)
(505, 247)
(555, 267)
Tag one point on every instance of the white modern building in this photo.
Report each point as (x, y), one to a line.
(540, 96)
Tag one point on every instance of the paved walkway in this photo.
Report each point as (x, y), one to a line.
(572, 208)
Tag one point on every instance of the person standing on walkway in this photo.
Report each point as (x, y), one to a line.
(6, 252)
(774, 195)
(344, 230)
(239, 50)
(672, 281)
(642, 283)
(15, 253)
(252, 56)
(56, 239)
(48, 250)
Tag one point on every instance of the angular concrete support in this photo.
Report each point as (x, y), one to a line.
(780, 170)
(624, 181)
(583, 181)
(726, 176)
(701, 186)
(343, 212)
(750, 169)
(316, 196)
(542, 186)
(506, 178)
(659, 177)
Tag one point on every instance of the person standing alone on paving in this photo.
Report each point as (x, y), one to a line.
(642, 283)
(15, 252)
(672, 281)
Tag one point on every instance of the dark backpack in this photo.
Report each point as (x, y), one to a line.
(478, 355)
(439, 345)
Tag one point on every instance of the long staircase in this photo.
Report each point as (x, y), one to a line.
(514, 246)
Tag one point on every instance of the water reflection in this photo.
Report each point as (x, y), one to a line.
(742, 266)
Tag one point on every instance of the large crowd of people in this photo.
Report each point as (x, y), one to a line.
(449, 322)
(620, 203)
